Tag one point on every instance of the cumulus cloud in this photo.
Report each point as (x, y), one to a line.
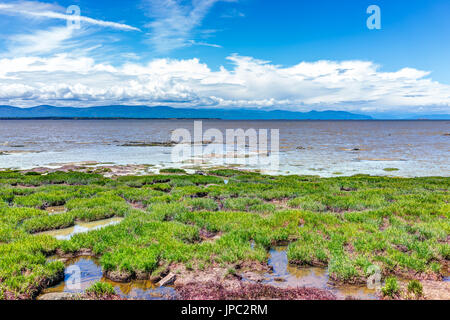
(252, 83)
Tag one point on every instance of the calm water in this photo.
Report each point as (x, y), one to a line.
(296, 276)
(326, 148)
(91, 272)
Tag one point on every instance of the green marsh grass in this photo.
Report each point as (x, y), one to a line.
(345, 224)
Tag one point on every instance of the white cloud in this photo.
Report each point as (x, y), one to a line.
(42, 38)
(234, 13)
(174, 23)
(347, 85)
(42, 10)
(205, 44)
(39, 42)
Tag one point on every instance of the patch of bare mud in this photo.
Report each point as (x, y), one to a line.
(436, 290)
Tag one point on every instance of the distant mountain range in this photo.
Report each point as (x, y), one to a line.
(432, 117)
(163, 112)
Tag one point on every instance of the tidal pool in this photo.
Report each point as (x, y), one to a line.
(89, 271)
(55, 210)
(287, 275)
(67, 233)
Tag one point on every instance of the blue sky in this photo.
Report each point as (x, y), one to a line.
(295, 55)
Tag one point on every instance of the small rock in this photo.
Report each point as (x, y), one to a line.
(58, 296)
(279, 279)
(168, 280)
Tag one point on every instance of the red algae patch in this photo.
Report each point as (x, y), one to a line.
(248, 291)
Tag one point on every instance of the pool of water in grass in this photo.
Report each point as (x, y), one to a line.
(67, 233)
(90, 271)
(55, 210)
(286, 275)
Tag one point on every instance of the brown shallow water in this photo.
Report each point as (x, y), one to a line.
(325, 148)
(283, 275)
(446, 273)
(55, 210)
(90, 272)
(294, 276)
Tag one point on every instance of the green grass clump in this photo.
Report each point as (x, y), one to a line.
(197, 204)
(16, 215)
(24, 269)
(96, 208)
(44, 223)
(138, 195)
(265, 208)
(224, 172)
(101, 289)
(391, 288)
(241, 204)
(131, 259)
(307, 203)
(311, 250)
(415, 288)
(44, 198)
(172, 170)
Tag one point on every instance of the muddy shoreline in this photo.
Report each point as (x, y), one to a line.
(217, 283)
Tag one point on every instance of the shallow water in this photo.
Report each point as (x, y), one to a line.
(446, 273)
(90, 272)
(325, 148)
(294, 276)
(55, 210)
(81, 227)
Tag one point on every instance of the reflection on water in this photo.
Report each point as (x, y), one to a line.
(286, 275)
(91, 272)
(67, 233)
(446, 273)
